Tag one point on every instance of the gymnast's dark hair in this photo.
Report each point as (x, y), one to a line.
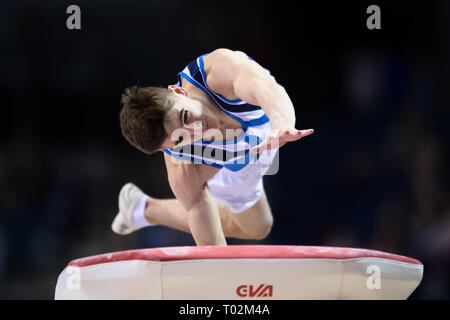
(143, 116)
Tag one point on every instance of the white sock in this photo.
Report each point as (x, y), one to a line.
(138, 218)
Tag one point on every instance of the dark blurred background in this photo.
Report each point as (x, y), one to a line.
(374, 175)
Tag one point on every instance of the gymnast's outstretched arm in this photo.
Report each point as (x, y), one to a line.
(188, 183)
(235, 76)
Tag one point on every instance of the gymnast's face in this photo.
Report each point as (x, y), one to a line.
(187, 120)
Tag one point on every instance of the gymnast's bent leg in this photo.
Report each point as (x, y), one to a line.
(138, 210)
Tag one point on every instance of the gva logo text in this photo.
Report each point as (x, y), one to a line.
(252, 291)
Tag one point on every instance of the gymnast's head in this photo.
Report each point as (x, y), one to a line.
(154, 118)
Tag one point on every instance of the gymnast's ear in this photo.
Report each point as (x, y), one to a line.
(178, 90)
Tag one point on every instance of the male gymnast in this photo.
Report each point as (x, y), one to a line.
(220, 128)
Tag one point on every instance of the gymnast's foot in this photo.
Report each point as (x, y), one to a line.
(131, 216)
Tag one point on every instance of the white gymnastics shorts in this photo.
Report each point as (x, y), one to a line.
(240, 190)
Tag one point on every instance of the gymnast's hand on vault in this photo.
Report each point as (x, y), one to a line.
(279, 137)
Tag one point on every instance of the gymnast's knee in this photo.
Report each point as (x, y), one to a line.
(261, 229)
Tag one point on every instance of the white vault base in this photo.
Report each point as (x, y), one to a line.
(241, 272)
